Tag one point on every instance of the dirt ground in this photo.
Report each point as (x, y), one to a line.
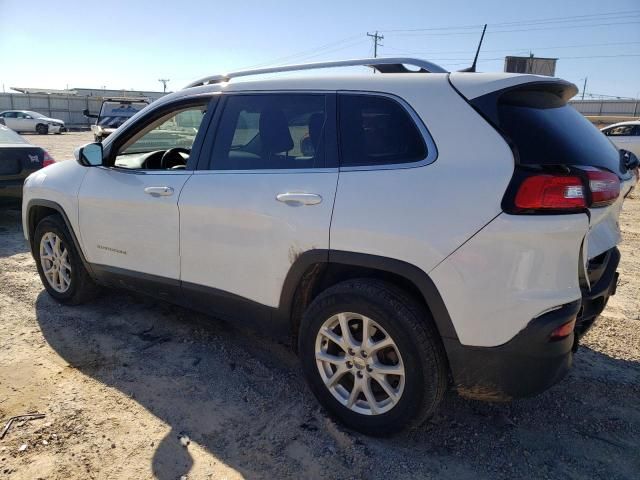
(123, 380)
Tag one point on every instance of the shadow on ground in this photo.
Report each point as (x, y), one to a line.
(241, 396)
(11, 240)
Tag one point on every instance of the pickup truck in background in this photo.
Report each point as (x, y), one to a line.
(114, 112)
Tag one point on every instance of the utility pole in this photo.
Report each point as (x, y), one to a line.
(164, 82)
(584, 87)
(376, 39)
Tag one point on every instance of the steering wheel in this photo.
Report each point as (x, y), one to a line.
(172, 157)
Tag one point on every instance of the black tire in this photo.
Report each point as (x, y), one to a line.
(42, 129)
(97, 138)
(82, 288)
(415, 335)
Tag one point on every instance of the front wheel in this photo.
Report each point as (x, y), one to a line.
(59, 264)
(42, 129)
(372, 356)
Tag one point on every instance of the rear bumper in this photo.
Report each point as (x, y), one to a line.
(526, 365)
(530, 362)
(11, 190)
(604, 279)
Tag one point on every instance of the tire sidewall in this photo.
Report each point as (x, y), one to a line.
(416, 364)
(54, 225)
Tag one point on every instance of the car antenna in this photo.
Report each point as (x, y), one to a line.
(472, 68)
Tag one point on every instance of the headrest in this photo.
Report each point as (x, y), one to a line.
(316, 122)
(274, 131)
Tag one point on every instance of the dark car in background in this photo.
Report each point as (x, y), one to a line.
(114, 111)
(18, 158)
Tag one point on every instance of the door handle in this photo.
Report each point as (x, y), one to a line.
(159, 191)
(297, 199)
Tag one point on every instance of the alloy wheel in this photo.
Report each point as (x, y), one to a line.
(54, 259)
(360, 364)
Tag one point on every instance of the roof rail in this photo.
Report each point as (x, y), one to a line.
(382, 65)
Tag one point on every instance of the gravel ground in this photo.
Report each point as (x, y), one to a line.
(127, 381)
(61, 146)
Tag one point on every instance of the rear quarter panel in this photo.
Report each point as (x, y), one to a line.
(421, 215)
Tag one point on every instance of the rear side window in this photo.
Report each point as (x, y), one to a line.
(547, 131)
(273, 131)
(376, 131)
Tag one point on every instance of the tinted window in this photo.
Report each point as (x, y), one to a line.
(10, 115)
(377, 131)
(274, 131)
(620, 131)
(547, 131)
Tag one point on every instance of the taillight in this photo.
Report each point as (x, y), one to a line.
(604, 186)
(563, 331)
(47, 160)
(550, 192)
(582, 187)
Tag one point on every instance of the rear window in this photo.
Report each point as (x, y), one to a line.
(547, 131)
(377, 131)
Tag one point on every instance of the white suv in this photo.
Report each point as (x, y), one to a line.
(408, 230)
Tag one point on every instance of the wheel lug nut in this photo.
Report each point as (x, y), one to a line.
(350, 351)
(359, 374)
(369, 369)
(364, 354)
(349, 365)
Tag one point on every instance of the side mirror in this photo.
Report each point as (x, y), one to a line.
(90, 155)
(629, 159)
(85, 112)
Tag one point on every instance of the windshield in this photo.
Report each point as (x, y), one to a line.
(179, 130)
(9, 136)
(114, 114)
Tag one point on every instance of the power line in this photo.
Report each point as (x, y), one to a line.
(515, 49)
(302, 53)
(494, 31)
(578, 18)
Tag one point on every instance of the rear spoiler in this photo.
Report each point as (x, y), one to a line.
(522, 90)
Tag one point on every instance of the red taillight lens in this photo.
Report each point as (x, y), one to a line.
(563, 330)
(550, 192)
(605, 187)
(47, 160)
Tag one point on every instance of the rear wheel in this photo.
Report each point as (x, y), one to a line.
(372, 356)
(42, 129)
(59, 264)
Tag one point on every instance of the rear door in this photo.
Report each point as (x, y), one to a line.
(263, 196)
(626, 137)
(11, 120)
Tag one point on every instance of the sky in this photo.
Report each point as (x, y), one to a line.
(126, 44)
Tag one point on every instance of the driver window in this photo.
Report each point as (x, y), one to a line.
(165, 144)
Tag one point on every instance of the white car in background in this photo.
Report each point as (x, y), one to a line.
(625, 136)
(28, 121)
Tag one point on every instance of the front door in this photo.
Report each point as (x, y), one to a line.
(264, 197)
(128, 208)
